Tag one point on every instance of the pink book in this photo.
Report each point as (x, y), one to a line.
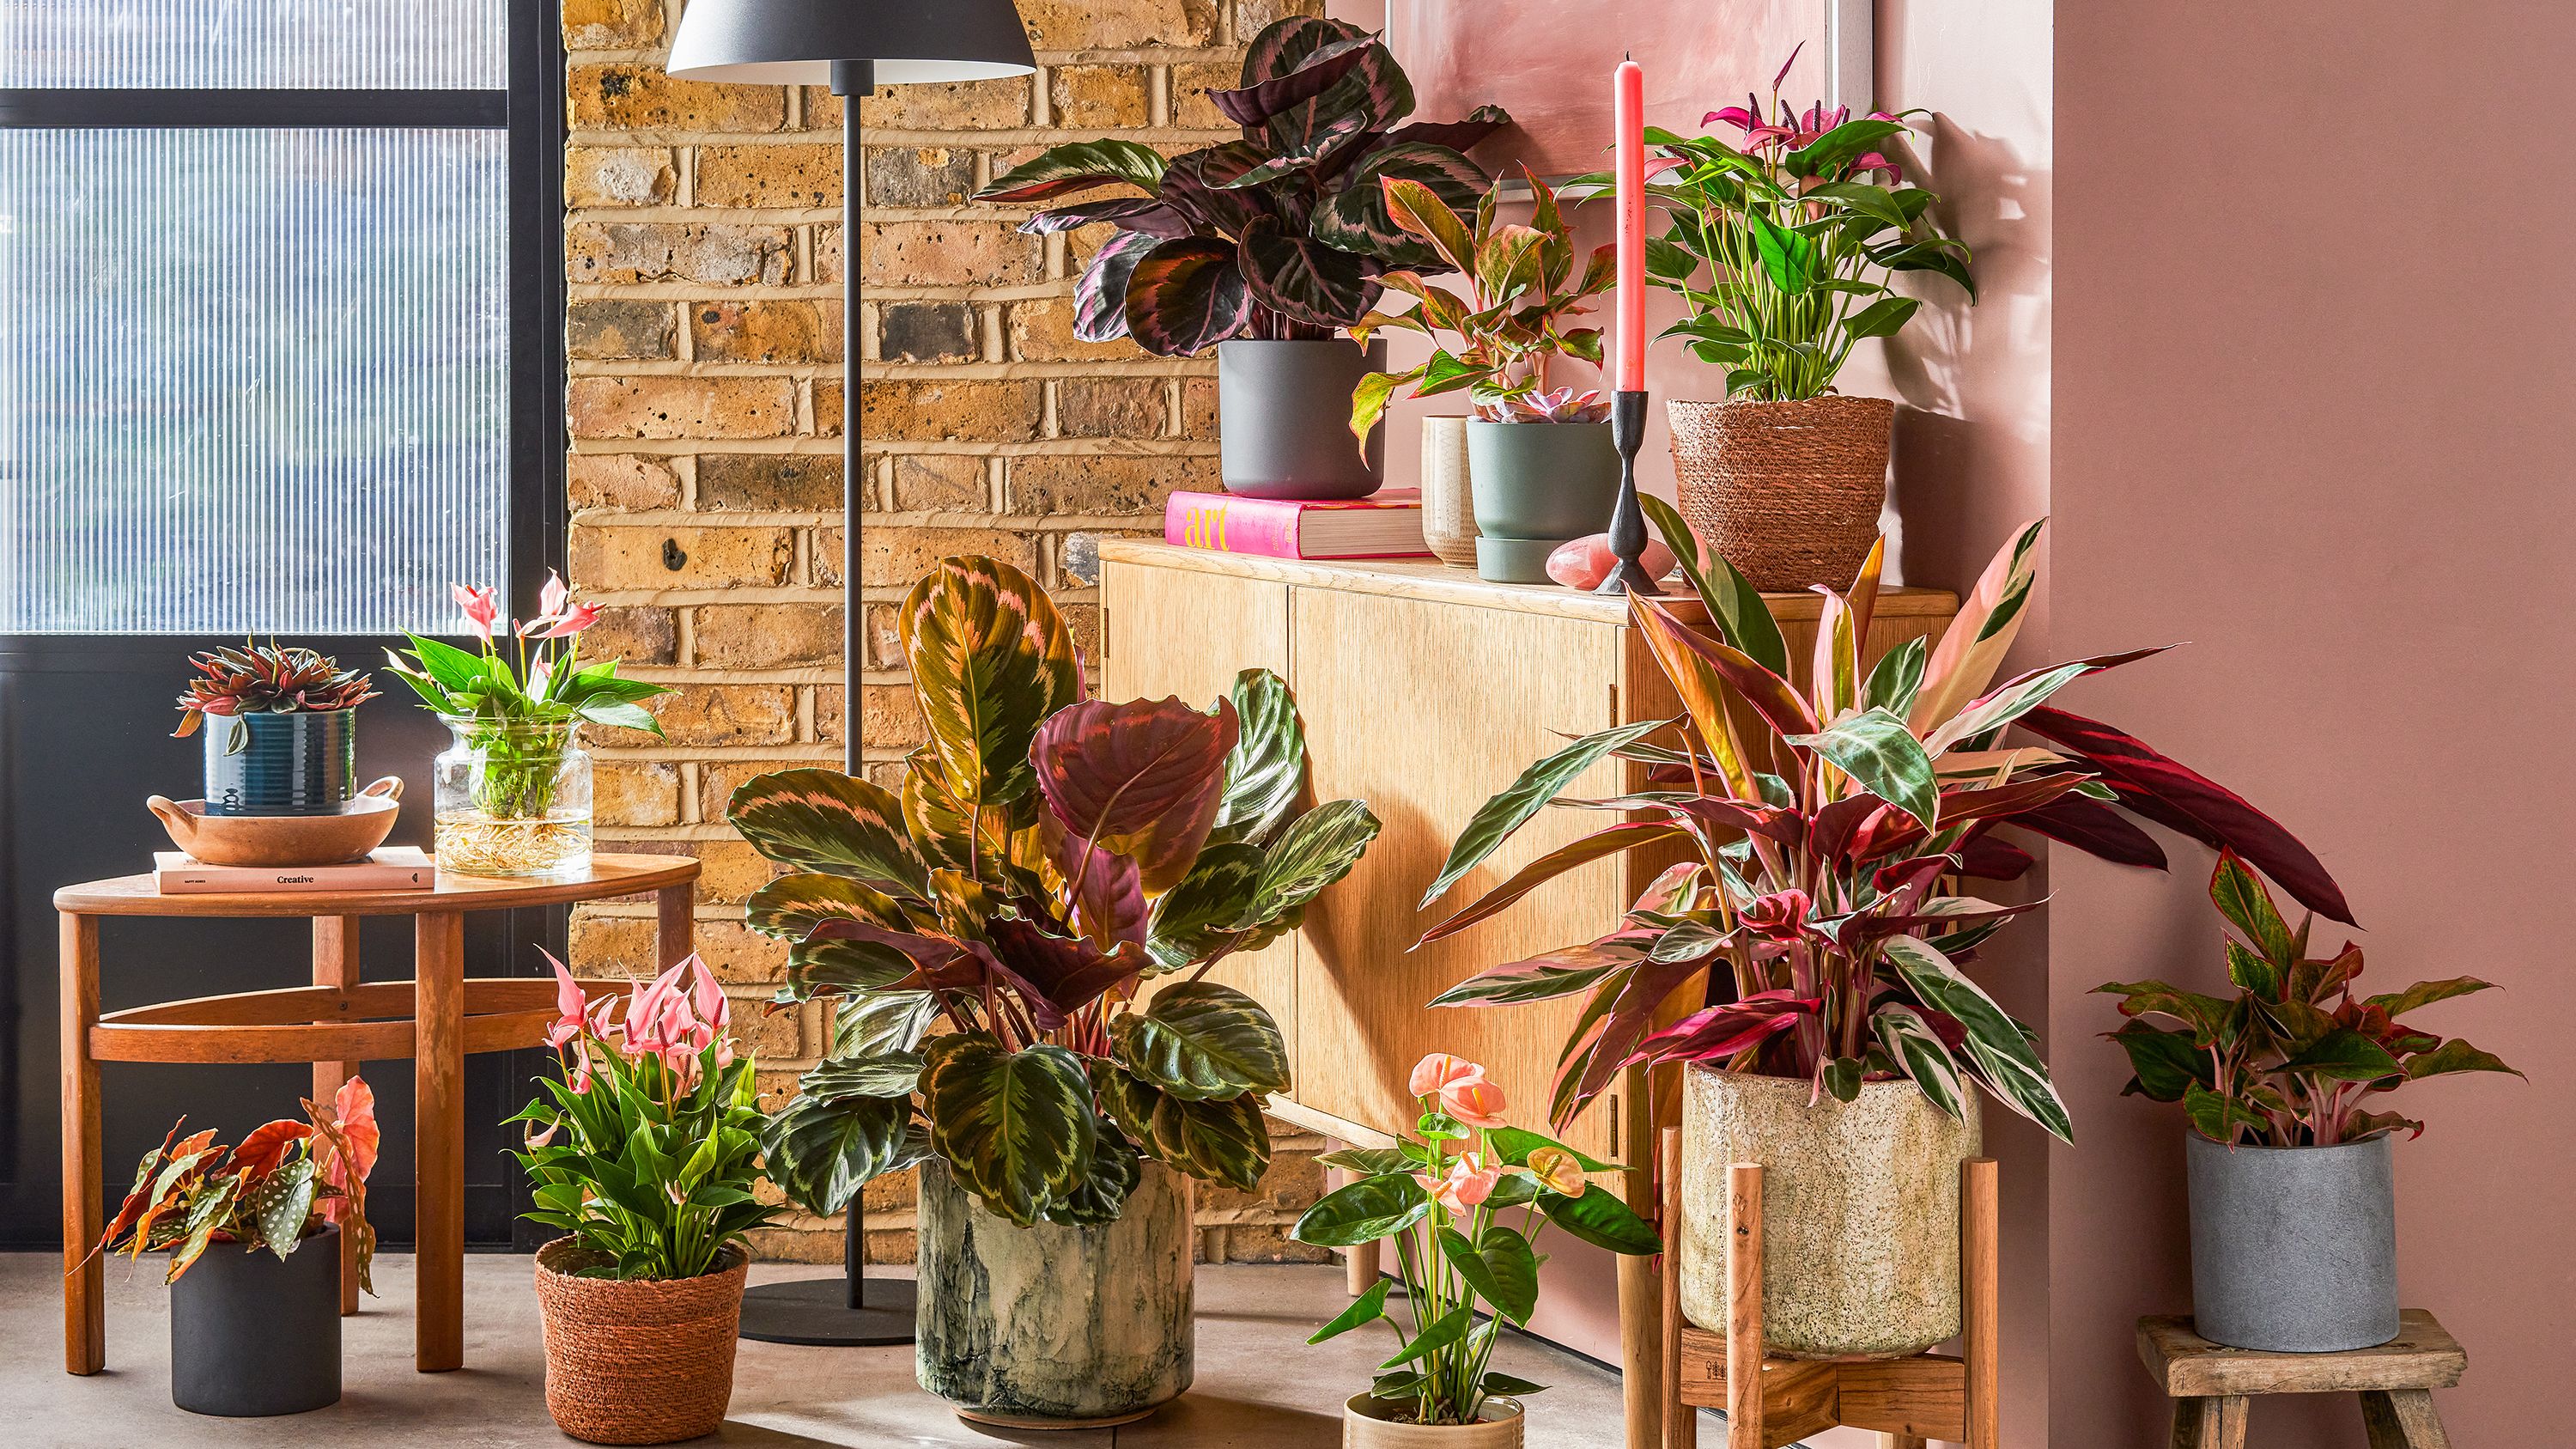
(1386, 524)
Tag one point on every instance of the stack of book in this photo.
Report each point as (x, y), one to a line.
(390, 868)
(1386, 524)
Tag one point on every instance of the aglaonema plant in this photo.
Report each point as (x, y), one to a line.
(2294, 1058)
(1811, 925)
(1046, 856)
(1282, 234)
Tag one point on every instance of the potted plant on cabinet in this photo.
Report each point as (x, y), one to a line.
(253, 1335)
(1444, 1197)
(2292, 1178)
(513, 791)
(1541, 466)
(1783, 250)
(644, 1151)
(281, 729)
(1807, 939)
(1264, 247)
(1049, 860)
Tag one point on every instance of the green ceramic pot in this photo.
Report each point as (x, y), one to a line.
(1537, 485)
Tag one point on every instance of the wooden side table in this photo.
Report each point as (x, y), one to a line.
(2213, 1386)
(335, 1024)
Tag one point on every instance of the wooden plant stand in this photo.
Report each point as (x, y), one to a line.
(2213, 1386)
(1770, 1402)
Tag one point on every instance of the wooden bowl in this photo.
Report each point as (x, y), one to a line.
(282, 839)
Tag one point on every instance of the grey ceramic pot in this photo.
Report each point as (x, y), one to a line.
(2293, 1249)
(1537, 485)
(1284, 419)
(1054, 1327)
(253, 1334)
(300, 763)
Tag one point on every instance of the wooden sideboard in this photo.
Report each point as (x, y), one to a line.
(1424, 691)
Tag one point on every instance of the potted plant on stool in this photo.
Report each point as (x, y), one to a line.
(644, 1152)
(281, 729)
(2293, 1184)
(1048, 854)
(1540, 462)
(1811, 936)
(253, 1335)
(1444, 1196)
(1266, 246)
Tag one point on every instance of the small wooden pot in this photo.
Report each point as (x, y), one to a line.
(1788, 492)
(1366, 1425)
(648, 1361)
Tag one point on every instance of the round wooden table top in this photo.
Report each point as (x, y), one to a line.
(610, 875)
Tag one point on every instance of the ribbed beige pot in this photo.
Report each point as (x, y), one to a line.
(1788, 492)
(1860, 1211)
(1365, 1425)
(1448, 503)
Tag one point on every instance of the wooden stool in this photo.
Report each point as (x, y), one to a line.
(1771, 1402)
(2213, 1386)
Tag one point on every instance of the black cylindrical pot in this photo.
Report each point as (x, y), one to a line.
(1284, 419)
(2293, 1249)
(303, 763)
(253, 1334)
(1537, 485)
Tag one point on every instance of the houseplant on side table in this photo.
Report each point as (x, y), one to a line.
(1264, 247)
(2293, 1183)
(644, 1151)
(254, 1335)
(1443, 1197)
(1048, 855)
(1832, 1034)
(281, 729)
(1540, 459)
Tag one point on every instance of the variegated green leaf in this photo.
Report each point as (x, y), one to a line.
(826, 821)
(1199, 1040)
(1876, 749)
(791, 906)
(1496, 819)
(821, 1151)
(1317, 849)
(1999, 1051)
(991, 659)
(1268, 766)
(1015, 1127)
(1917, 1051)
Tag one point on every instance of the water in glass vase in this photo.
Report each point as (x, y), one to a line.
(513, 800)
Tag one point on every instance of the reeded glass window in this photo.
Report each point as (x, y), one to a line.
(259, 44)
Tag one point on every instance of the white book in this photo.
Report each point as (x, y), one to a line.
(391, 868)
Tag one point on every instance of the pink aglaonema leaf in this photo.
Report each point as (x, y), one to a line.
(2180, 798)
(1142, 779)
(1720, 1032)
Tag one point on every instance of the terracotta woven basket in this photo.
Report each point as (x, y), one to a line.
(643, 1362)
(1788, 492)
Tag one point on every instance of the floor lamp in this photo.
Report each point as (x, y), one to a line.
(853, 46)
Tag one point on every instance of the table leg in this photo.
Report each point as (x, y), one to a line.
(335, 963)
(674, 910)
(2402, 1419)
(2215, 1422)
(84, 1276)
(1640, 1286)
(1900, 1441)
(438, 1070)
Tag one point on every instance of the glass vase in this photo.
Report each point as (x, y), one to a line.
(513, 800)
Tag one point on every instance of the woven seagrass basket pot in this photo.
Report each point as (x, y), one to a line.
(1788, 492)
(642, 1362)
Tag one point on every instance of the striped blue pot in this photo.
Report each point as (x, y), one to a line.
(281, 764)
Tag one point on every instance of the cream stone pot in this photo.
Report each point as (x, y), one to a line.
(1366, 1425)
(1860, 1211)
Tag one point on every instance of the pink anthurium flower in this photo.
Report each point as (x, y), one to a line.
(1478, 1103)
(1466, 1185)
(571, 1006)
(571, 621)
(550, 599)
(706, 995)
(1439, 1071)
(481, 607)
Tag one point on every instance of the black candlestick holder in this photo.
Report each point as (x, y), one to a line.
(1627, 520)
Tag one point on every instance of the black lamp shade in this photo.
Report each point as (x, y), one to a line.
(794, 42)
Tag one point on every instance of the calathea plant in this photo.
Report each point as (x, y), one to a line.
(1812, 921)
(1282, 234)
(1046, 856)
(2291, 1061)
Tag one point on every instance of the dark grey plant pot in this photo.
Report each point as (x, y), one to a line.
(303, 763)
(1284, 419)
(2293, 1249)
(253, 1334)
(1054, 1327)
(1537, 485)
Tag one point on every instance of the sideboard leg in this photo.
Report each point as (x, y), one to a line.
(1360, 1267)
(1901, 1441)
(84, 1275)
(335, 963)
(674, 924)
(438, 1070)
(1641, 1298)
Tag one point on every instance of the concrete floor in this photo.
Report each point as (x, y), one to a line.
(1259, 1385)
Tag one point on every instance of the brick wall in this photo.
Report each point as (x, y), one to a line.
(704, 254)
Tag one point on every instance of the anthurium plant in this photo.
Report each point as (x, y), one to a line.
(1783, 243)
(1281, 234)
(1467, 1260)
(1523, 290)
(266, 679)
(281, 1185)
(646, 1145)
(1815, 925)
(1046, 856)
(2295, 1057)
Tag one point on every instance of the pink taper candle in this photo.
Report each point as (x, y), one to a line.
(1628, 121)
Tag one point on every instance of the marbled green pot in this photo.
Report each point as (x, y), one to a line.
(1054, 1327)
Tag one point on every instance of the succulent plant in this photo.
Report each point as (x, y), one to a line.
(267, 679)
(1280, 235)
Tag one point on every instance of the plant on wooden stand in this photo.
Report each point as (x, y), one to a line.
(1811, 930)
(284, 734)
(1046, 856)
(1443, 1196)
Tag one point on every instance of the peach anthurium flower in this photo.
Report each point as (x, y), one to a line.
(1557, 1170)
(1440, 1071)
(1478, 1103)
(1464, 1186)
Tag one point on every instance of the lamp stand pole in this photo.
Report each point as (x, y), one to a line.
(852, 1310)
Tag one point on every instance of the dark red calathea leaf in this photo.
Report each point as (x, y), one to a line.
(1303, 279)
(1199, 184)
(1480, 123)
(1108, 900)
(1258, 101)
(1282, 48)
(1143, 779)
(1987, 856)
(1355, 217)
(929, 955)
(1148, 214)
(2175, 796)
(1076, 167)
(1186, 296)
(1100, 298)
(1056, 976)
(1595, 1056)
(1719, 1032)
